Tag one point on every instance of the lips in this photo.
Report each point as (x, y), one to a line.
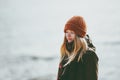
(69, 38)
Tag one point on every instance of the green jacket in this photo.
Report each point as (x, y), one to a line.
(85, 69)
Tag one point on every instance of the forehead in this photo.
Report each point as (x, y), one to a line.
(69, 30)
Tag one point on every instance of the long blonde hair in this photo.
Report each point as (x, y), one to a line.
(78, 44)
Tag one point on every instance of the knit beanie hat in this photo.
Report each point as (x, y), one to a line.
(76, 24)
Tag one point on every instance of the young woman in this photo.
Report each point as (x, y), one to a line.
(78, 58)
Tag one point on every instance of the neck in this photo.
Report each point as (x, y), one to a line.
(70, 46)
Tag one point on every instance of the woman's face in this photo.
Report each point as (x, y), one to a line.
(70, 35)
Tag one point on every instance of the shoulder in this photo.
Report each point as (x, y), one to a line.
(90, 55)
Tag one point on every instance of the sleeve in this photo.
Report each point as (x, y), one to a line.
(59, 71)
(90, 60)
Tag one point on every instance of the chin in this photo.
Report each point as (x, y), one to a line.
(70, 41)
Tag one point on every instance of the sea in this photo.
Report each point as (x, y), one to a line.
(32, 32)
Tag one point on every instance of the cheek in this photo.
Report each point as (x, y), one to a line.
(73, 37)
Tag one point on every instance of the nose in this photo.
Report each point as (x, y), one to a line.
(69, 34)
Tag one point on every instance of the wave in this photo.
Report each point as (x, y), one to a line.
(36, 58)
(117, 43)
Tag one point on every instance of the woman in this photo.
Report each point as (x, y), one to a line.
(78, 58)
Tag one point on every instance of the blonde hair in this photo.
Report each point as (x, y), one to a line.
(78, 44)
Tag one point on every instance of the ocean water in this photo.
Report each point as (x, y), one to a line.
(31, 33)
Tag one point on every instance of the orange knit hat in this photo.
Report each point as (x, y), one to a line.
(77, 24)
